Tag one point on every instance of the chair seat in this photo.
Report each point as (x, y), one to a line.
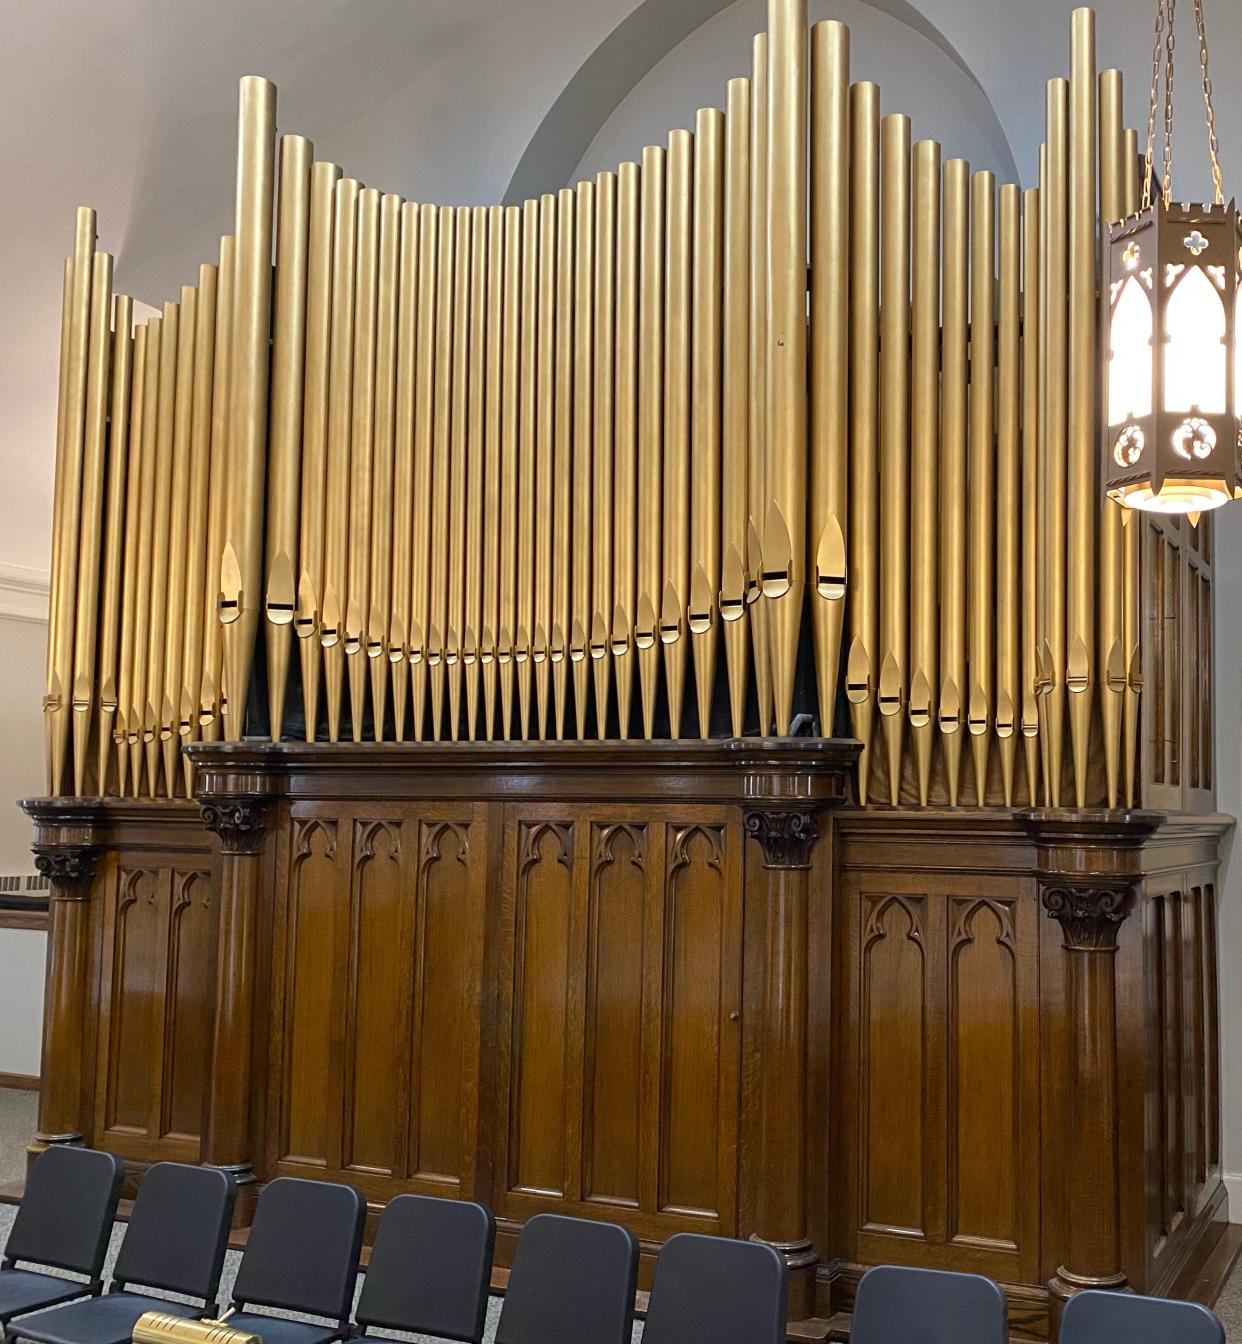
(26, 1290)
(280, 1330)
(109, 1319)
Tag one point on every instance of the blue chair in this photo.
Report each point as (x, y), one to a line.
(174, 1243)
(714, 1290)
(64, 1222)
(430, 1269)
(897, 1305)
(572, 1282)
(1095, 1317)
(301, 1256)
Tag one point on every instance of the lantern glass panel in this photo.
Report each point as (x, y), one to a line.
(1194, 362)
(1129, 367)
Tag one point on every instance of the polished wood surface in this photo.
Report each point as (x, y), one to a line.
(682, 986)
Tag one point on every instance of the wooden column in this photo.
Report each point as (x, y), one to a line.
(781, 815)
(240, 823)
(67, 845)
(1089, 871)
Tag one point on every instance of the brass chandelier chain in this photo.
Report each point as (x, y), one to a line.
(1162, 67)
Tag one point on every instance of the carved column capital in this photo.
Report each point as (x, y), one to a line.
(70, 868)
(786, 835)
(1090, 916)
(239, 822)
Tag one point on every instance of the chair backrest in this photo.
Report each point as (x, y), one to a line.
(67, 1212)
(303, 1247)
(714, 1290)
(1095, 1317)
(898, 1305)
(178, 1231)
(430, 1269)
(572, 1282)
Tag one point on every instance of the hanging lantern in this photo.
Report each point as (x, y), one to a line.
(1173, 377)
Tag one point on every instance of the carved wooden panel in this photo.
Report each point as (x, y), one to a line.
(939, 1158)
(620, 993)
(158, 924)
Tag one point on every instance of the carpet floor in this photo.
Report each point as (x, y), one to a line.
(17, 1124)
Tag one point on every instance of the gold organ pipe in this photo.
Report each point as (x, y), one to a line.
(954, 291)
(1032, 244)
(677, 295)
(177, 559)
(544, 375)
(454, 608)
(1132, 530)
(338, 475)
(1043, 654)
(980, 586)
(862, 660)
(735, 410)
(1110, 650)
(289, 340)
(442, 465)
(584, 525)
(318, 326)
(1083, 504)
(603, 409)
(511, 536)
(361, 453)
(240, 594)
(211, 689)
(139, 724)
(625, 442)
(760, 616)
(894, 438)
(473, 597)
(829, 371)
(650, 424)
(53, 698)
(91, 510)
(527, 457)
(784, 516)
(165, 428)
(404, 504)
(380, 616)
(562, 439)
(68, 501)
(424, 388)
(497, 515)
(924, 459)
(196, 560)
(1054, 430)
(129, 569)
(1008, 483)
(706, 373)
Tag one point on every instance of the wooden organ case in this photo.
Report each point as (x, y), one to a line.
(585, 525)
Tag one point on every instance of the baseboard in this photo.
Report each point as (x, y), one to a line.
(20, 1082)
(1233, 1188)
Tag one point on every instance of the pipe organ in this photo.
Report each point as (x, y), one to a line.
(674, 715)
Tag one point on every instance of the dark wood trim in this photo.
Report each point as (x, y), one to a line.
(20, 1082)
(36, 919)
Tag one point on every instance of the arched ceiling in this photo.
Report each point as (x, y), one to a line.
(129, 107)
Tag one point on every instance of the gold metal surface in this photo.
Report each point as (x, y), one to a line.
(454, 603)
(924, 461)
(424, 389)
(1029, 709)
(650, 427)
(241, 568)
(544, 467)
(894, 439)
(289, 342)
(1008, 607)
(784, 515)
(625, 444)
(497, 511)
(675, 572)
(862, 662)
(584, 525)
(165, 429)
(981, 509)
(603, 406)
(562, 458)
(404, 504)
(441, 467)
(475, 429)
(129, 567)
(510, 540)
(1130, 563)
(757, 483)
(954, 290)
(830, 341)
(706, 373)
(735, 415)
(139, 724)
(524, 618)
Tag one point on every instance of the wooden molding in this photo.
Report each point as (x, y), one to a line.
(20, 1082)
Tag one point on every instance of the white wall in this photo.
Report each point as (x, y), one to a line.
(914, 75)
(22, 953)
(1228, 588)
